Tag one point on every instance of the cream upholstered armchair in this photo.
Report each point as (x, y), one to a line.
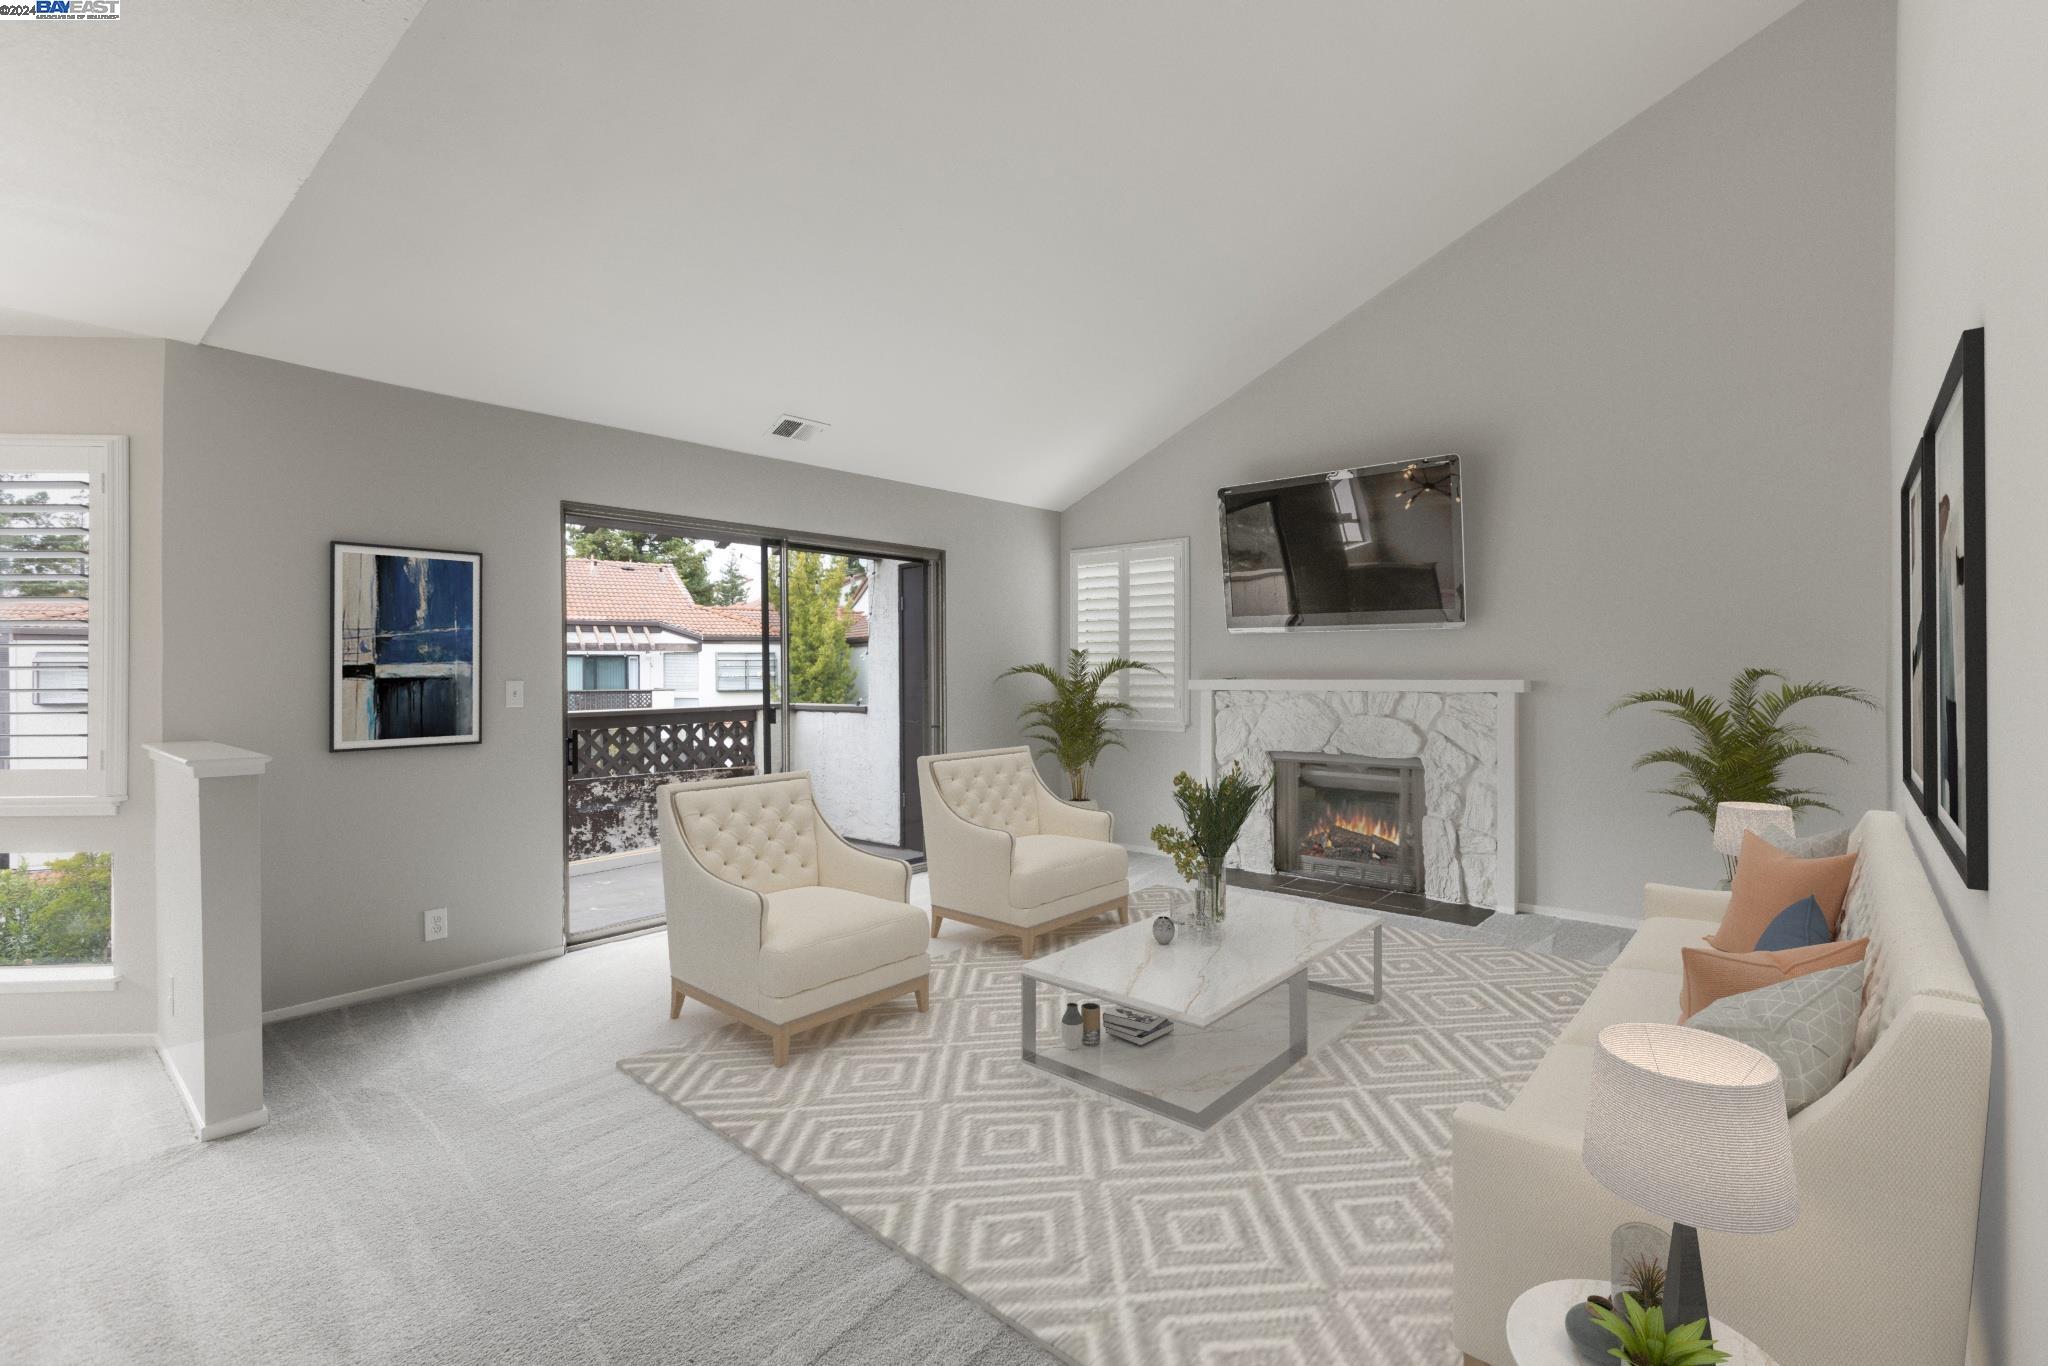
(773, 919)
(1005, 854)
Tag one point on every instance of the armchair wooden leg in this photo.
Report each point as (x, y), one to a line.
(781, 1037)
(1027, 943)
(1123, 910)
(675, 999)
(937, 916)
(924, 997)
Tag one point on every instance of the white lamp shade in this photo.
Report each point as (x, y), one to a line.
(1733, 819)
(1691, 1127)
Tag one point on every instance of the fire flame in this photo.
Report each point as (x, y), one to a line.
(1354, 817)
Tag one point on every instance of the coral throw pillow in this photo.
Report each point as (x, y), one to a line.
(1711, 974)
(1767, 880)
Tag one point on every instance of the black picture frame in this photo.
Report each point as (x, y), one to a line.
(1916, 625)
(1956, 797)
(339, 669)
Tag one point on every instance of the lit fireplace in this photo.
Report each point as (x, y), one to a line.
(1345, 818)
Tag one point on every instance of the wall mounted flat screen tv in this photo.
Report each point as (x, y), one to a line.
(1380, 545)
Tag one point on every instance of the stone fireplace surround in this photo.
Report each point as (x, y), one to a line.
(1463, 730)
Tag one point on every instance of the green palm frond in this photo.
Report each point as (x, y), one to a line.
(1076, 724)
(1740, 746)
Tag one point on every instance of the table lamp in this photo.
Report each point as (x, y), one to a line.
(1733, 820)
(1690, 1127)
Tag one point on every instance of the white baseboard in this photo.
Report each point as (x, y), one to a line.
(433, 979)
(204, 1132)
(56, 1042)
(1626, 922)
(240, 1124)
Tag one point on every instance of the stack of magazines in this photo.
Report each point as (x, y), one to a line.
(1133, 1026)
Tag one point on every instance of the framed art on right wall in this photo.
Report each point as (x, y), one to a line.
(1916, 624)
(1954, 741)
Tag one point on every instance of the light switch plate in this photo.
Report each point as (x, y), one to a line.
(515, 693)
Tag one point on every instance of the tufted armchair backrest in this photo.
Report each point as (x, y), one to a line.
(997, 789)
(760, 834)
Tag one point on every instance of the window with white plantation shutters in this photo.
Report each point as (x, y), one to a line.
(63, 742)
(1131, 600)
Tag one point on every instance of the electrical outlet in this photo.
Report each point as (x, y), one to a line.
(436, 926)
(515, 692)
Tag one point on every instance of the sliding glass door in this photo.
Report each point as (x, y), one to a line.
(696, 650)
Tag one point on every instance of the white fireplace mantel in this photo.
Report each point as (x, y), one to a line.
(1499, 685)
(1494, 866)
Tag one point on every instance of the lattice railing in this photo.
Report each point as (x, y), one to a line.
(609, 699)
(616, 760)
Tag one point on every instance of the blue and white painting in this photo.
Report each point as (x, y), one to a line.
(405, 647)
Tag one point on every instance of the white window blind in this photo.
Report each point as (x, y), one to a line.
(63, 589)
(739, 673)
(679, 671)
(1131, 600)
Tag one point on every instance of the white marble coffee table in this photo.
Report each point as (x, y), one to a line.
(1198, 981)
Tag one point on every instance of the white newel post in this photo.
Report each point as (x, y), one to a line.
(210, 935)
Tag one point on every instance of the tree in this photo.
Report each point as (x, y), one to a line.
(61, 914)
(820, 660)
(732, 585)
(61, 539)
(609, 543)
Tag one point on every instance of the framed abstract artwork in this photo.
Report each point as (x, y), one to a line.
(1955, 747)
(405, 647)
(1916, 624)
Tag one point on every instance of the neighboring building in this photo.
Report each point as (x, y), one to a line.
(43, 725)
(633, 628)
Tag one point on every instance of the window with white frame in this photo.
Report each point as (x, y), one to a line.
(61, 677)
(63, 624)
(1131, 600)
(739, 673)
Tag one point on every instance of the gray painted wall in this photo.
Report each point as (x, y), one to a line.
(1666, 367)
(104, 387)
(1972, 167)
(270, 462)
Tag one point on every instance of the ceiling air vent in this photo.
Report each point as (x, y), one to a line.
(797, 428)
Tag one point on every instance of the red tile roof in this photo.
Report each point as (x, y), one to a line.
(44, 609)
(622, 592)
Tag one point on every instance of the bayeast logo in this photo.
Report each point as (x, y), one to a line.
(62, 9)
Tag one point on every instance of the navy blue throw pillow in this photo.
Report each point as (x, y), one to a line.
(1795, 927)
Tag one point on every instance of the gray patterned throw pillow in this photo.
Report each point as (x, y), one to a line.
(1806, 1026)
(1833, 844)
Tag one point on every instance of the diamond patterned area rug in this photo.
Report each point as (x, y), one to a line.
(1310, 1226)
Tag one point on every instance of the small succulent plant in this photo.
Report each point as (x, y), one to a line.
(1641, 1338)
(1643, 1277)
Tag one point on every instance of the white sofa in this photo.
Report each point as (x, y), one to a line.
(1003, 853)
(773, 919)
(1877, 1269)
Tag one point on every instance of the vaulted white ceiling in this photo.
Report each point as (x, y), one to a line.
(145, 159)
(1004, 249)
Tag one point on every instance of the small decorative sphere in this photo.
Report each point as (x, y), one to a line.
(1162, 929)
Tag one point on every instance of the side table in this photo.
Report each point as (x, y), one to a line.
(1537, 1337)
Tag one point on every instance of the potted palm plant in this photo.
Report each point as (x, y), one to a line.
(1075, 725)
(1740, 745)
